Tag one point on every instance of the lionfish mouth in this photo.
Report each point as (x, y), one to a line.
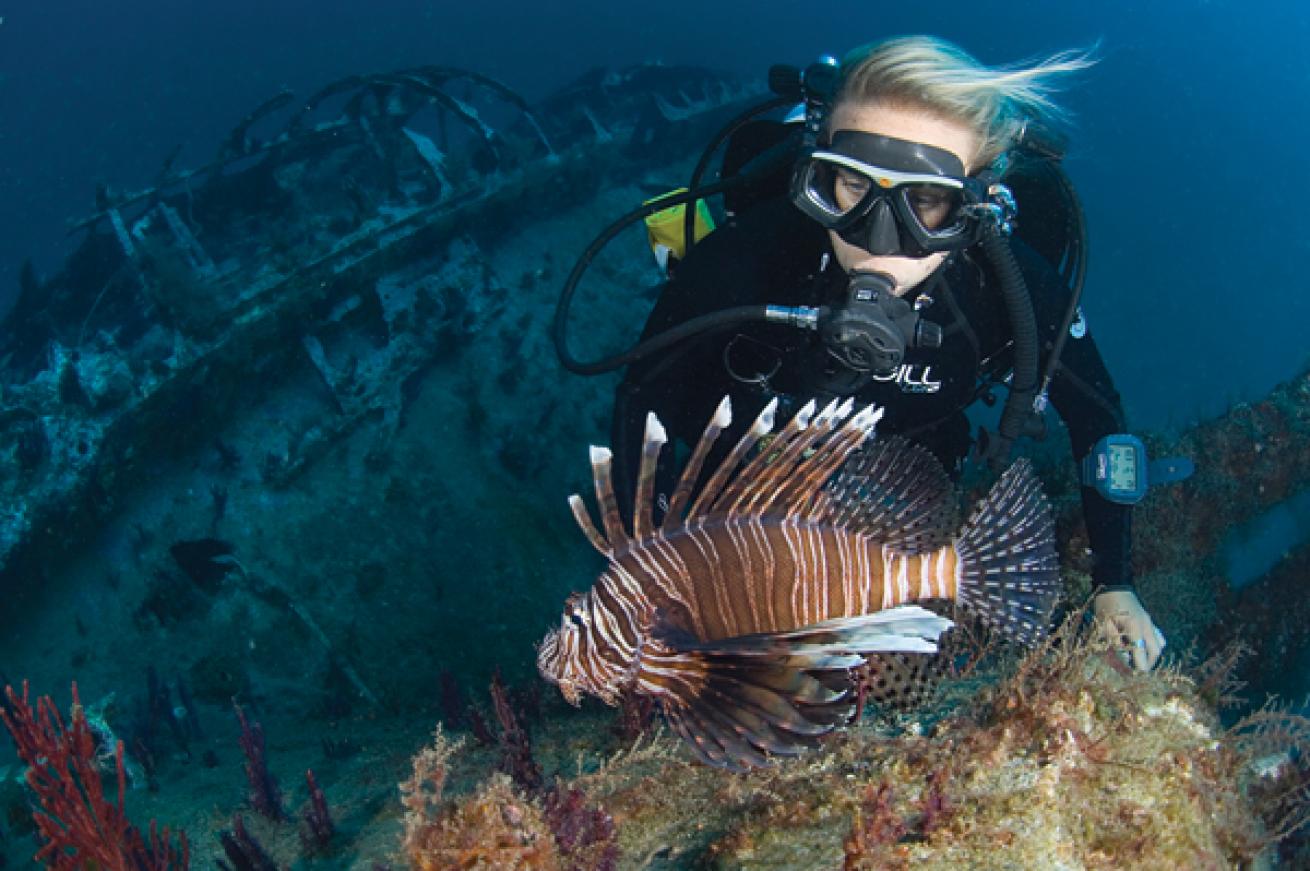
(551, 668)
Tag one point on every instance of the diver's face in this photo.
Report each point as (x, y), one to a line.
(915, 125)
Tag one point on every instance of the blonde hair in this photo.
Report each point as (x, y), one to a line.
(940, 77)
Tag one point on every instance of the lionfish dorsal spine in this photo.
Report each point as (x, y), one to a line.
(797, 472)
(754, 477)
(801, 471)
(762, 426)
(652, 443)
(602, 461)
(588, 528)
(787, 478)
(720, 421)
(857, 429)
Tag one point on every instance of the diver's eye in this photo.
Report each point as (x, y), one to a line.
(850, 188)
(932, 207)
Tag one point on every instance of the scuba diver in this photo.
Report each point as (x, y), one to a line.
(892, 247)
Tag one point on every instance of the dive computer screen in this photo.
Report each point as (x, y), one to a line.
(1123, 468)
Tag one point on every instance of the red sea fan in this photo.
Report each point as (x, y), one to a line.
(81, 828)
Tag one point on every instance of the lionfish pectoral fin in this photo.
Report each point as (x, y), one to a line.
(843, 642)
(740, 700)
(745, 709)
(1009, 570)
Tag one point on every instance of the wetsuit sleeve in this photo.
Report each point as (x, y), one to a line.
(1085, 397)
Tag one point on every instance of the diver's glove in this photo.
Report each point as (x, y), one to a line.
(1120, 616)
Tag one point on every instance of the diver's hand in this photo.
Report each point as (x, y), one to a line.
(1121, 617)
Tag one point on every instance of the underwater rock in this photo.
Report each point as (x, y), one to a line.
(1064, 759)
(23, 444)
(1248, 460)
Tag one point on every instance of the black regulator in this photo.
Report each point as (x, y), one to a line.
(872, 328)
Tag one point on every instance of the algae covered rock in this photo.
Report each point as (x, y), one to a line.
(1064, 759)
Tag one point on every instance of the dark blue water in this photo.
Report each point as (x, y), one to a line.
(1189, 151)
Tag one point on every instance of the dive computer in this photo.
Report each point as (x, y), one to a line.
(1118, 469)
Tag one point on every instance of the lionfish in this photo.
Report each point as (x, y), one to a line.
(749, 611)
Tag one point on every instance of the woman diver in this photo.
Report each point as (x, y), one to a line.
(885, 231)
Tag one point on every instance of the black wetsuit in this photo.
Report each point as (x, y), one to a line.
(774, 254)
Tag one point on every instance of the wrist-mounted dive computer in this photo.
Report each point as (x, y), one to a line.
(1119, 470)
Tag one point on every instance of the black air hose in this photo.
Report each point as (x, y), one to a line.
(1016, 418)
(720, 320)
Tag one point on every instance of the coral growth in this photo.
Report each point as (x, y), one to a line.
(495, 828)
(1064, 758)
(316, 828)
(516, 757)
(500, 825)
(584, 834)
(875, 833)
(422, 793)
(243, 850)
(80, 826)
(265, 796)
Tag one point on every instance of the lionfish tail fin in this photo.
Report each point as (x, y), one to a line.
(1009, 571)
(739, 701)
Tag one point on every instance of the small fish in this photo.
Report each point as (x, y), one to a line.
(750, 612)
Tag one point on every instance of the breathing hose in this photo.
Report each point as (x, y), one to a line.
(689, 218)
(720, 320)
(1017, 416)
(559, 331)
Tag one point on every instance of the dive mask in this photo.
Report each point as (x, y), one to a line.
(889, 196)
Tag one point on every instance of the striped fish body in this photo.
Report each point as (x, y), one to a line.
(742, 576)
(745, 612)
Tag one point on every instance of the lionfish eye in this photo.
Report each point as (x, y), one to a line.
(574, 611)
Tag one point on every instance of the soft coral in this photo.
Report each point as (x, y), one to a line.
(80, 826)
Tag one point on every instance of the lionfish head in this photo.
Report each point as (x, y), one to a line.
(575, 658)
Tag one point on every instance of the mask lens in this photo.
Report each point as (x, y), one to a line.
(837, 189)
(849, 188)
(936, 207)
